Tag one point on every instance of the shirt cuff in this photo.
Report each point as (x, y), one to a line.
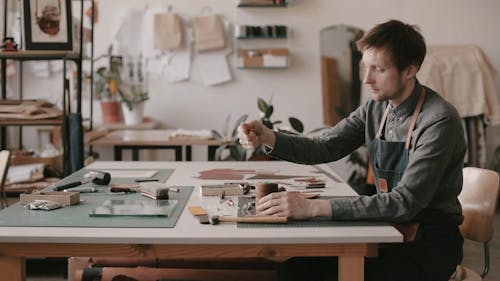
(341, 209)
(281, 149)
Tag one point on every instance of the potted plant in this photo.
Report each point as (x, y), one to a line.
(236, 150)
(107, 87)
(130, 92)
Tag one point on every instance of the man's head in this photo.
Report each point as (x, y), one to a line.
(392, 54)
(402, 42)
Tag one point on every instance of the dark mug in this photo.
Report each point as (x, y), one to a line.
(264, 188)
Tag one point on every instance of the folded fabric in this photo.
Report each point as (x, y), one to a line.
(208, 33)
(167, 31)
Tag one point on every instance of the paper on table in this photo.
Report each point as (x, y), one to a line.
(131, 173)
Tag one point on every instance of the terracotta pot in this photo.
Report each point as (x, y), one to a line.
(111, 112)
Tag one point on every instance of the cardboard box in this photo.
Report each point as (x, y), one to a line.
(253, 62)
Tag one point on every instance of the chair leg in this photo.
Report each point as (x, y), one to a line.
(486, 267)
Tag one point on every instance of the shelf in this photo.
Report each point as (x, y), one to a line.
(282, 5)
(260, 37)
(262, 67)
(39, 55)
(41, 122)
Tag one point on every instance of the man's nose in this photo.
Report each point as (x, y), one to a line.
(367, 79)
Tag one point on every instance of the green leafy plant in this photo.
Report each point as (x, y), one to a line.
(110, 85)
(267, 109)
(236, 150)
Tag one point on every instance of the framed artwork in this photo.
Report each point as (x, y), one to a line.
(47, 24)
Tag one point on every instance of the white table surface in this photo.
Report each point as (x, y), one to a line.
(189, 231)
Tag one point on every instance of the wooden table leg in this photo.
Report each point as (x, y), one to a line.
(135, 154)
(211, 152)
(188, 153)
(351, 268)
(13, 267)
(118, 153)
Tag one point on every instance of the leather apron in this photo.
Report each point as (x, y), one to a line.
(390, 159)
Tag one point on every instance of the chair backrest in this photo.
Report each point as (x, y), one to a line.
(479, 198)
(4, 166)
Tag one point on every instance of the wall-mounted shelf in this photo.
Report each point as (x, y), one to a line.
(39, 55)
(262, 58)
(279, 5)
(250, 32)
(42, 122)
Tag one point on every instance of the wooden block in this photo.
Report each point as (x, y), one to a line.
(197, 210)
(65, 198)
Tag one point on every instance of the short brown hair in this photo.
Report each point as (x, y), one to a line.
(402, 42)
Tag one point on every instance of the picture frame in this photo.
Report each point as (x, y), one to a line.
(47, 24)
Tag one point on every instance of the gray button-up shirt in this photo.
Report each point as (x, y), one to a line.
(433, 177)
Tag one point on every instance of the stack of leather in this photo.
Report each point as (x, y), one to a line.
(28, 110)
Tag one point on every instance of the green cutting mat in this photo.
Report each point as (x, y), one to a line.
(78, 215)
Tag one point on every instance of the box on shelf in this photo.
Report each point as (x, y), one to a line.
(263, 58)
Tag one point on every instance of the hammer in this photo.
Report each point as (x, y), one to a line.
(97, 177)
(247, 219)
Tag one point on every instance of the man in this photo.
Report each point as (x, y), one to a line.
(417, 149)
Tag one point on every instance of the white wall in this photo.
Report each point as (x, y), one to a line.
(296, 91)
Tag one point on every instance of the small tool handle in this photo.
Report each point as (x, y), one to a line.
(66, 186)
(255, 219)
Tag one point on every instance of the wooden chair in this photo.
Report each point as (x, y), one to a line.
(4, 166)
(479, 198)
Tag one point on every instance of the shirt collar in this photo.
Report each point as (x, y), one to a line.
(408, 106)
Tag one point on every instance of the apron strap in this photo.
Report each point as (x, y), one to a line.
(382, 122)
(418, 108)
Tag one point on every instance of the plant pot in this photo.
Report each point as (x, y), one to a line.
(111, 112)
(134, 116)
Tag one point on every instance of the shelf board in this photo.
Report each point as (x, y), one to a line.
(39, 55)
(262, 67)
(260, 37)
(282, 5)
(40, 122)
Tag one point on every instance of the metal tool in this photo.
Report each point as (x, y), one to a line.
(97, 177)
(247, 219)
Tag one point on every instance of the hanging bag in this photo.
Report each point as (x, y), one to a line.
(167, 31)
(208, 33)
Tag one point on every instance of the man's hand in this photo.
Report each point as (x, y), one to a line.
(293, 205)
(254, 133)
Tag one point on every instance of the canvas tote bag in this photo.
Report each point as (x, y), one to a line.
(208, 33)
(167, 31)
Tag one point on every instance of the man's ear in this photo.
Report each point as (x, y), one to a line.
(411, 71)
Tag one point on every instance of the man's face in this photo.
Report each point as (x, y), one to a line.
(382, 77)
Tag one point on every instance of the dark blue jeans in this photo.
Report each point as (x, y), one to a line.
(433, 256)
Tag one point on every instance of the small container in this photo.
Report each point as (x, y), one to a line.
(263, 189)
